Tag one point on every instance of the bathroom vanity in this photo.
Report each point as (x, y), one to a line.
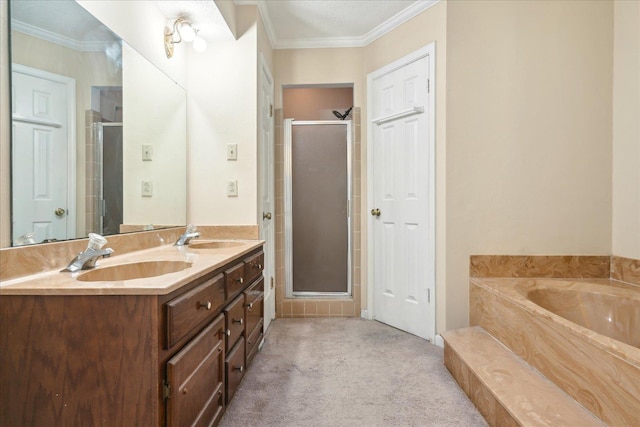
(155, 351)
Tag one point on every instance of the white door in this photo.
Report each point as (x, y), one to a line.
(267, 214)
(40, 154)
(401, 198)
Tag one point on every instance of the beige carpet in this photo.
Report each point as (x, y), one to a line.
(348, 372)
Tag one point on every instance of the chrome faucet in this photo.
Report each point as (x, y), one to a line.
(87, 259)
(189, 234)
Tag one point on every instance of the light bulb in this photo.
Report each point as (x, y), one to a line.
(187, 32)
(199, 45)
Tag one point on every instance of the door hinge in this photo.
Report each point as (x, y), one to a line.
(273, 282)
(428, 85)
(428, 295)
(166, 390)
(270, 110)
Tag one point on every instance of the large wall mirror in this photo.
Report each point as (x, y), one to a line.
(98, 132)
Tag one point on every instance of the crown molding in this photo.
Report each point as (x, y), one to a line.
(397, 20)
(335, 42)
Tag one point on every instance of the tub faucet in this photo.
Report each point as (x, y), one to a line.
(189, 234)
(87, 259)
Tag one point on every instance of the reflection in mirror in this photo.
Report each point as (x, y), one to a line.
(98, 132)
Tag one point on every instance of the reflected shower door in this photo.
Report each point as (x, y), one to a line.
(319, 208)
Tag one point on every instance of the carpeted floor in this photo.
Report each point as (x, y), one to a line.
(348, 372)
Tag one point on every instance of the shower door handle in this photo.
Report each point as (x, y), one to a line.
(375, 212)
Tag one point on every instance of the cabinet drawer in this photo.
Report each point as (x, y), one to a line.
(254, 305)
(234, 318)
(187, 311)
(253, 266)
(253, 342)
(196, 379)
(234, 279)
(235, 368)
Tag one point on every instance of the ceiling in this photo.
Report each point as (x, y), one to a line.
(332, 23)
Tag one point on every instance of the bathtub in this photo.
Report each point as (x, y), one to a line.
(582, 335)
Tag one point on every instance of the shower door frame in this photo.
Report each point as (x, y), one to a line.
(288, 208)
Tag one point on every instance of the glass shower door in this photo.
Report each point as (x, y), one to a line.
(319, 202)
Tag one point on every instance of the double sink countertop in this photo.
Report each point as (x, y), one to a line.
(199, 258)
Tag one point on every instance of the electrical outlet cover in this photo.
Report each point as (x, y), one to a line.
(232, 188)
(147, 188)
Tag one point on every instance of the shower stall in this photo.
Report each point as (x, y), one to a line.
(318, 188)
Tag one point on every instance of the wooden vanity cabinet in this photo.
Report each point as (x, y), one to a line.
(130, 360)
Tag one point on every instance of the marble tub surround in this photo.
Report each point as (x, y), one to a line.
(625, 269)
(26, 260)
(568, 266)
(200, 262)
(601, 373)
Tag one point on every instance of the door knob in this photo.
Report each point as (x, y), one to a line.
(266, 215)
(375, 212)
(59, 212)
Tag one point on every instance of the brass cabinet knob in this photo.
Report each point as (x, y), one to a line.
(266, 215)
(375, 212)
(239, 321)
(240, 280)
(206, 305)
(250, 306)
(239, 369)
(60, 212)
(228, 332)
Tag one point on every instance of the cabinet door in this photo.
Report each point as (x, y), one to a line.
(235, 368)
(196, 379)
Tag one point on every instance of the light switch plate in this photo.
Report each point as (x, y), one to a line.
(147, 152)
(232, 188)
(232, 151)
(147, 188)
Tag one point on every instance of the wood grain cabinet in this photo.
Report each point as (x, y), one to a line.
(125, 360)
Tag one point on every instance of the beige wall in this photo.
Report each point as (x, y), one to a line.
(529, 100)
(626, 130)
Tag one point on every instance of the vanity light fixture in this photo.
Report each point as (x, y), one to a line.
(182, 30)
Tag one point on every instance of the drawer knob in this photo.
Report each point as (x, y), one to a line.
(239, 321)
(239, 369)
(228, 332)
(206, 305)
(257, 266)
(240, 280)
(185, 391)
(250, 306)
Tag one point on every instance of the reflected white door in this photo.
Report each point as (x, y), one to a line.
(267, 214)
(401, 198)
(40, 145)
